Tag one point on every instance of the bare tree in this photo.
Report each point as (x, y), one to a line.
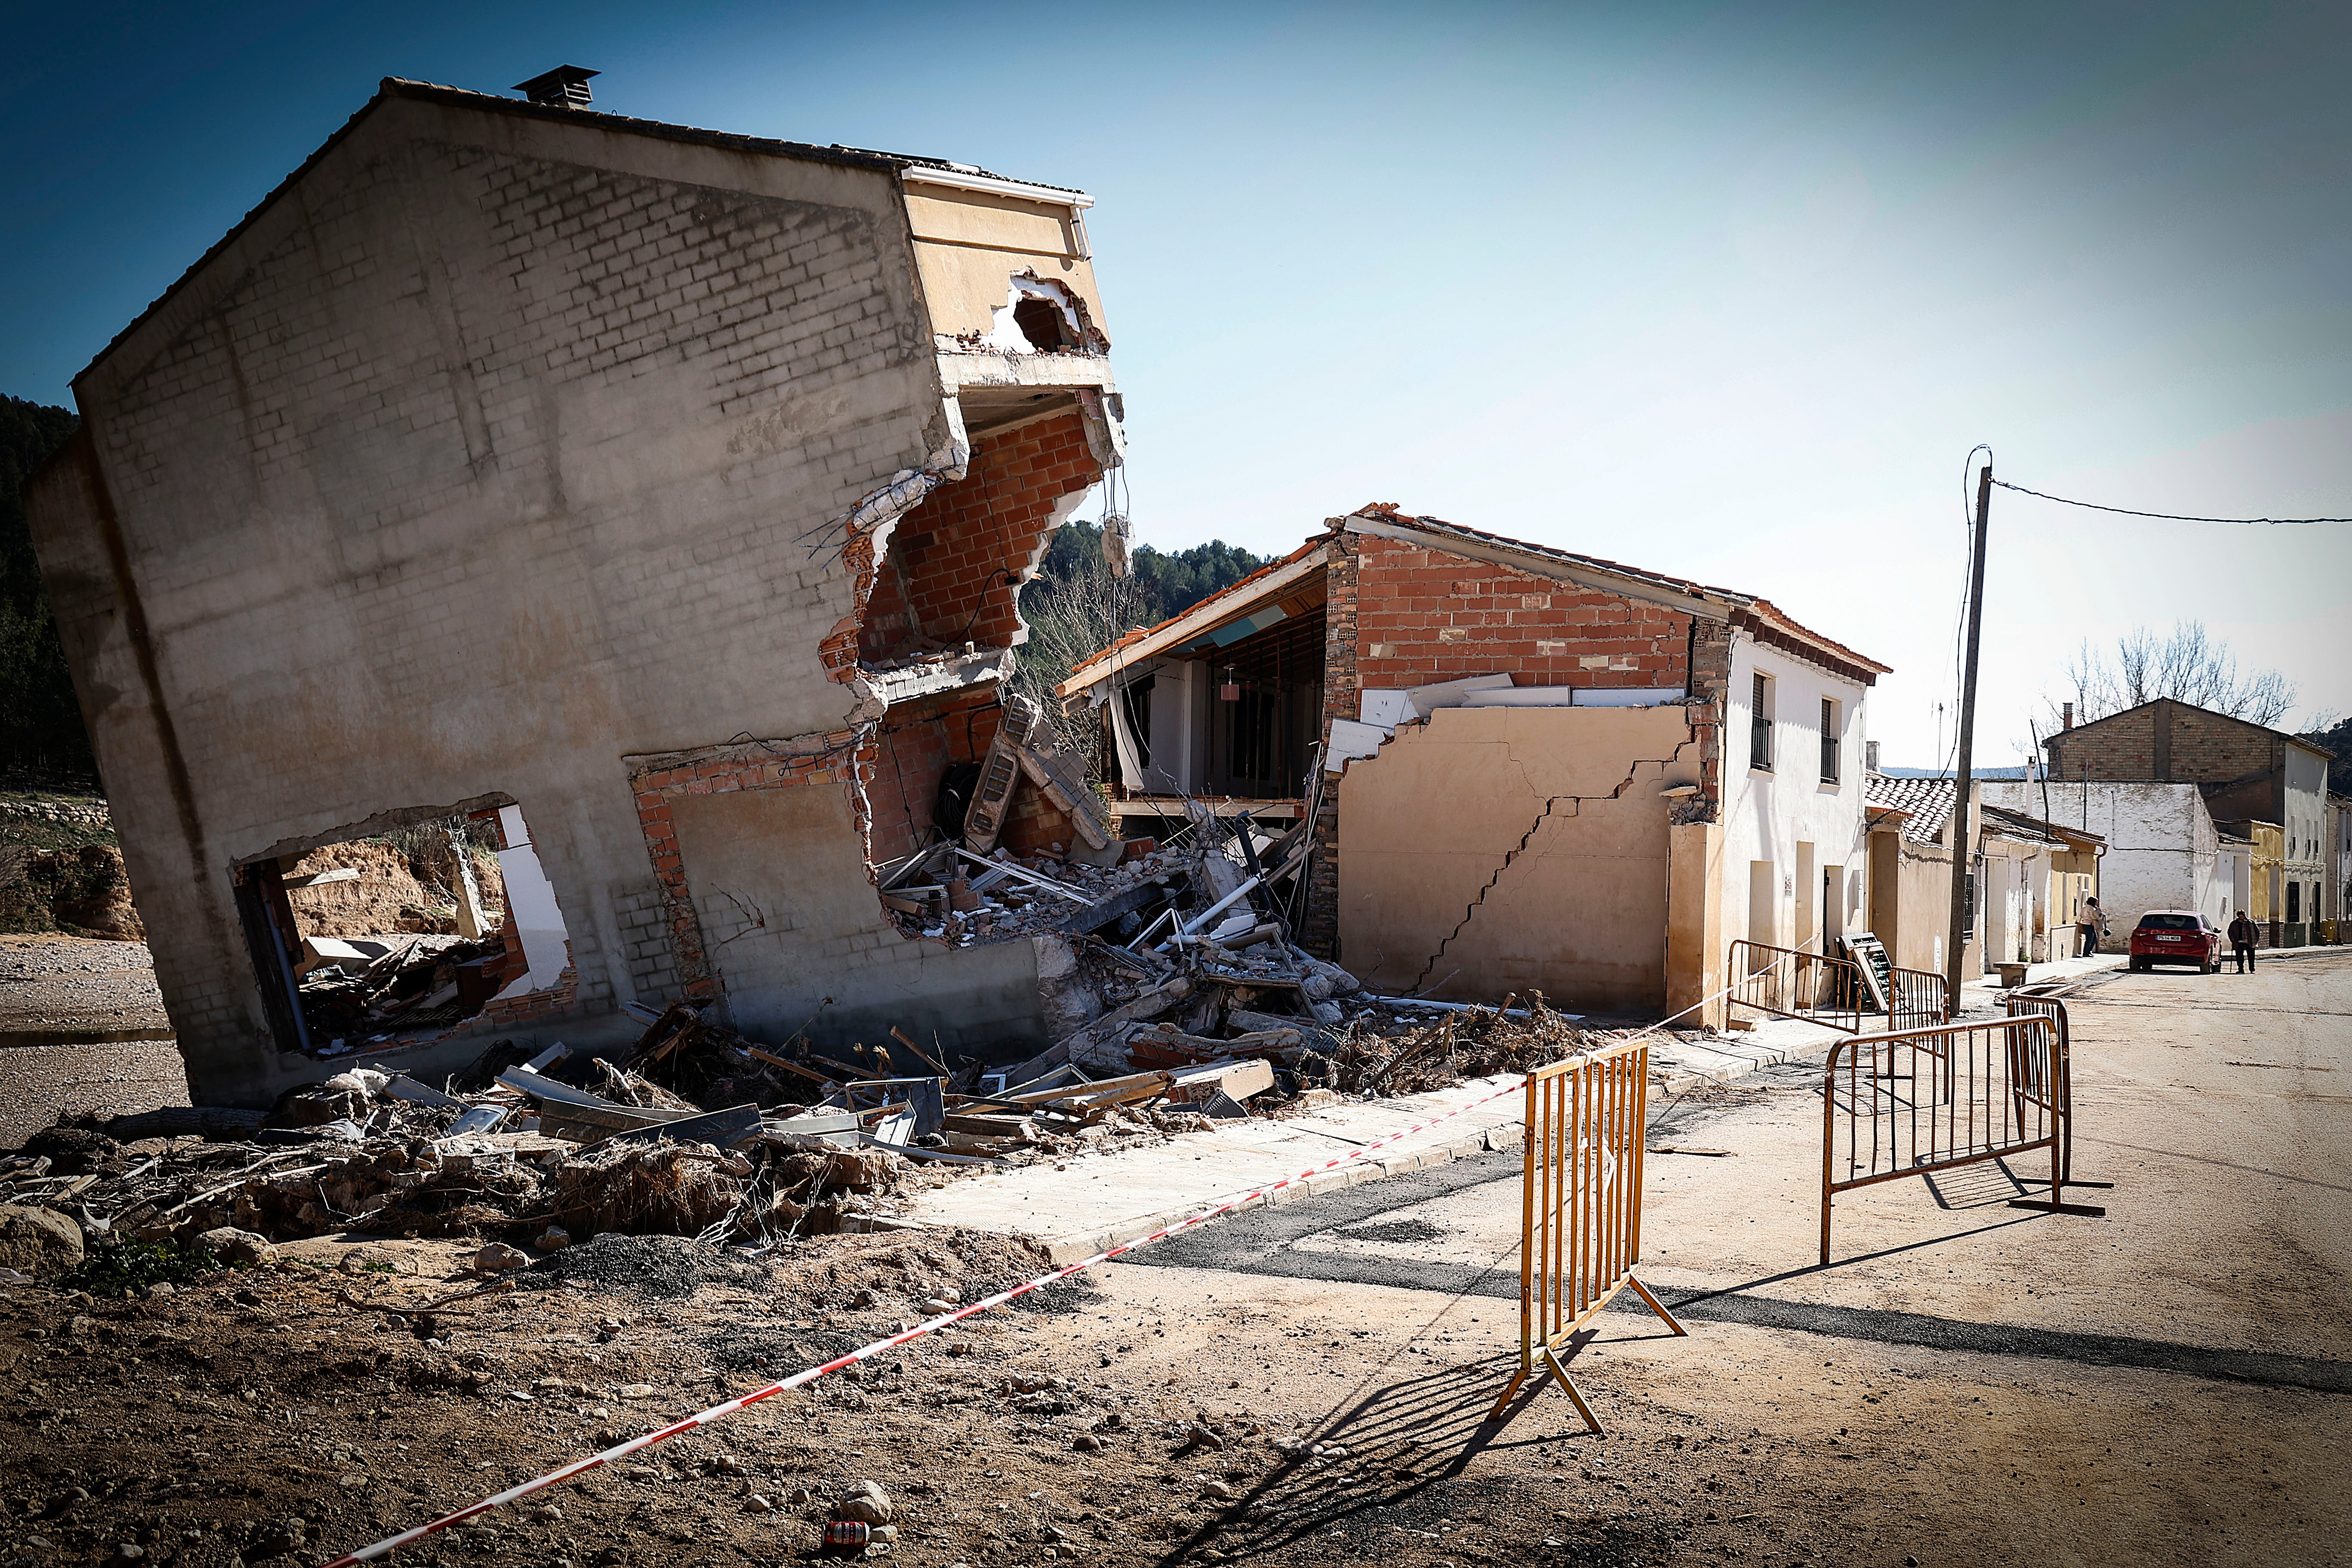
(2188, 664)
(1069, 619)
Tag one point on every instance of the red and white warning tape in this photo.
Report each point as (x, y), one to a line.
(783, 1386)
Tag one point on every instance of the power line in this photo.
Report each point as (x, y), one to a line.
(2165, 516)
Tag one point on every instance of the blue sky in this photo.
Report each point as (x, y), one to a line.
(1724, 291)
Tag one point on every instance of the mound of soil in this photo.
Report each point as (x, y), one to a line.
(82, 891)
(394, 891)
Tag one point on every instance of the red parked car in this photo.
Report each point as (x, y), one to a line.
(2175, 936)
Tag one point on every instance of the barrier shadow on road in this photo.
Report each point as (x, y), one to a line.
(1679, 1299)
(1974, 1186)
(1382, 1453)
(1401, 1443)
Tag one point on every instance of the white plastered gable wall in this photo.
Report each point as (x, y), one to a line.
(1766, 816)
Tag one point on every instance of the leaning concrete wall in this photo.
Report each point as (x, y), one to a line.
(476, 462)
(1496, 849)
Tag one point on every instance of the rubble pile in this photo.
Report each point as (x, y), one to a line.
(357, 992)
(1473, 1043)
(952, 895)
(1197, 1007)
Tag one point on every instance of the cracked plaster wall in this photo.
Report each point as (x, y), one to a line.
(1499, 849)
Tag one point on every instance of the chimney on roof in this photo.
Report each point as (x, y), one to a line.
(2067, 717)
(565, 87)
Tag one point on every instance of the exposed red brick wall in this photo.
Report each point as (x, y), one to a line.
(1320, 929)
(1423, 617)
(886, 628)
(532, 1006)
(957, 546)
(1398, 616)
(903, 782)
(1036, 823)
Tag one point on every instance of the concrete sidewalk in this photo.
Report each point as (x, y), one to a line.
(1098, 1200)
(1093, 1201)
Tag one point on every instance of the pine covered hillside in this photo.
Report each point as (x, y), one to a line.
(1158, 586)
(2337, 739)
(41, 723)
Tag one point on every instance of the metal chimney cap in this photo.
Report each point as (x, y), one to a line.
(565, 87)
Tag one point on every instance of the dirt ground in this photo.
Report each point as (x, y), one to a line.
(1967, 1382)
(50, 983)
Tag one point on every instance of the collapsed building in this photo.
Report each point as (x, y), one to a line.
(1525, 768)
(642, 505)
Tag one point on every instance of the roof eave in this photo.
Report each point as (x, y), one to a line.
(1185, 625)
(492, 103)
(1689, 599)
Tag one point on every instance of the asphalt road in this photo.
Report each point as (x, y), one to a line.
(2168, 1384)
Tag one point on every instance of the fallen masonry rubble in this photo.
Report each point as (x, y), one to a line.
(699, 1131)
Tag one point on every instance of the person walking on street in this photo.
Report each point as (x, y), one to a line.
(2094, 926)
(2242, 942)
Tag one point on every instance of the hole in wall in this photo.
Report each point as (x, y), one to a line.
(1040, 321)
(429, 920)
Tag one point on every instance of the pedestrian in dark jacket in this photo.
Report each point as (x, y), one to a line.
(2241, 943)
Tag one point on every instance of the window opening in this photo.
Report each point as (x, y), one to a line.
(1759, 725)
(380, 939)
(1829, 740)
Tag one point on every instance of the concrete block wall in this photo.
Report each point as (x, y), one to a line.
(657, 791)
(2121, 747)
(838, 940)
(475, 463)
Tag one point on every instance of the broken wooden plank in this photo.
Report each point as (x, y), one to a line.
(984, 1126)
(774, 1060)
(1088, 1091)
(1235, 1080)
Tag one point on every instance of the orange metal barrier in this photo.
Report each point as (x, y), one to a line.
(1580, 1205)
(1914, 1102)
(1790, 983)
(1917, 999)
(2055, 1010)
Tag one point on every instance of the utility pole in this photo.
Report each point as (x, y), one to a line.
(1961, 862)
